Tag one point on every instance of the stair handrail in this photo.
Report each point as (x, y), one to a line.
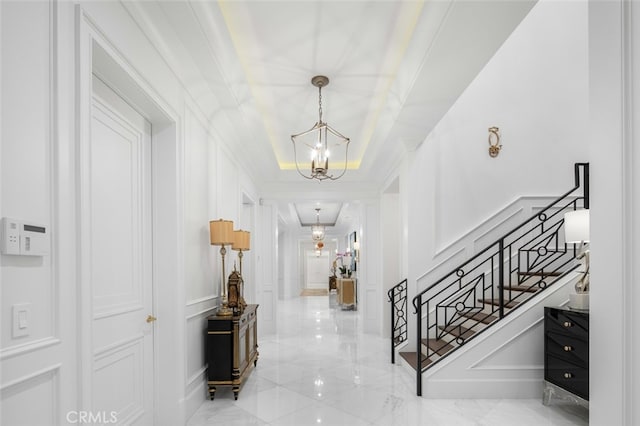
(530, 219)
(417, 301)
(397, 295)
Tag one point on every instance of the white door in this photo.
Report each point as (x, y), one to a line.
(317, 270)
(117, 242)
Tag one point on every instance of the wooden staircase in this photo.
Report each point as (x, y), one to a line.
(491, 284)
(471, 323)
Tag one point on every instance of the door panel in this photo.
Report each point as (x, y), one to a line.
(317, 270)
(118, 238)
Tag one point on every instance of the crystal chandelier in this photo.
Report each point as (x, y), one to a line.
(319, 139)
(317, 230)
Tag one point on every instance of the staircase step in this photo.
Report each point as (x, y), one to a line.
(457, 331)
(412, 359)
(439, 346)
(496, 302)
(524, 288)
(539, 274)
(480, 317)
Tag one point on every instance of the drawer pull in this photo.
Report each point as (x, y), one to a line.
(567, 324)
(568, 375)
(568, 348)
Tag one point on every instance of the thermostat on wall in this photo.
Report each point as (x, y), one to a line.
(23, 238)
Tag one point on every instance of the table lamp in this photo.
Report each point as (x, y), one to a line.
(576, 230)
(241, 242)
(221, 232)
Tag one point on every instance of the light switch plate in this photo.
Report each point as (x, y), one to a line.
(21, 319)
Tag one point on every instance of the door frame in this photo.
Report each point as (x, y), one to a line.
(95, 54)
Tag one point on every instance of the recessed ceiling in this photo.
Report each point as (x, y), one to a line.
(307, 215)
(395, 68)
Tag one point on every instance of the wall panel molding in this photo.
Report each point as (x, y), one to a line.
(25, 348)
(52, 370)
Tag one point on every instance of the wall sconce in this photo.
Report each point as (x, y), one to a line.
(356, 250)
(494, 142)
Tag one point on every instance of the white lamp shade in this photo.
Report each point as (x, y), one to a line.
(576, 226)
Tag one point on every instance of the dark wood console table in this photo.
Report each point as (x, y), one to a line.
(566, 355)
(232, 349)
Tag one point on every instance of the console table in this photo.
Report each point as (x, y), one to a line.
(566, 355)
(232, 349)
(347, 292)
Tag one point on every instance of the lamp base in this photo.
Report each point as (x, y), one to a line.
(224, 311)
(579, 301)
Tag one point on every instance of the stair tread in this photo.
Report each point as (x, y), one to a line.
(496, 302)
(457, 331)
(480, 317)
(539, 273)
(525, 288)
(412, 359)
(439, 346)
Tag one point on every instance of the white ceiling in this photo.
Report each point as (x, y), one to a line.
(395, 67)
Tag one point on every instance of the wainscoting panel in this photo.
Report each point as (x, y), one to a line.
(19, 397)
(506, 361)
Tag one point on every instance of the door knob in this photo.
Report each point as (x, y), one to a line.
(151, 318)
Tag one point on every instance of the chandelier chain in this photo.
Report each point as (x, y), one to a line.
(320, 103)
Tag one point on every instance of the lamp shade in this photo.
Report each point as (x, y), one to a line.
(241, 240)
(576, 226)
(221, 232)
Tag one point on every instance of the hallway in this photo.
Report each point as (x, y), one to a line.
(320, 368)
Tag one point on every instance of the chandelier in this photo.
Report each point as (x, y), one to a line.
(319, 139)
(317, 230)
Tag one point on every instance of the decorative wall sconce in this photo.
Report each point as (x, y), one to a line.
(494, 142)
(356, 250)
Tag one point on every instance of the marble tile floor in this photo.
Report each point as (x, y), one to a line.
(320, 368)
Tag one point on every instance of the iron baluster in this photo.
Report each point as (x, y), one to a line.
(419, 346)
(397, 295)
(462, 293)
(501, 277)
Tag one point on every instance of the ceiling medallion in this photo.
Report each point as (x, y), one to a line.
(317, 140)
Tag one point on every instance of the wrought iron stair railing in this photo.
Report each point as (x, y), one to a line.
(398, 297)
(496, 281)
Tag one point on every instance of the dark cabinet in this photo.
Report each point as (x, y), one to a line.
(566, 354)
(232, 349)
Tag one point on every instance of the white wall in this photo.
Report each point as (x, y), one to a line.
(31, 147)
(615, 207)
(38, 135)
(535, 89)
(391, 234)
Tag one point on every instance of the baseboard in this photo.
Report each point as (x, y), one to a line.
(520, 388)
(196, 395)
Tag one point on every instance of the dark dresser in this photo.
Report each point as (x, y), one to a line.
(232, 349)
(566, 355)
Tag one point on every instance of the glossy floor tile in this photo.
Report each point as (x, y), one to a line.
(321, 369)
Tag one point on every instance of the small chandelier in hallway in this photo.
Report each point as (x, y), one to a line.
(317, 230)
(317, 140)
